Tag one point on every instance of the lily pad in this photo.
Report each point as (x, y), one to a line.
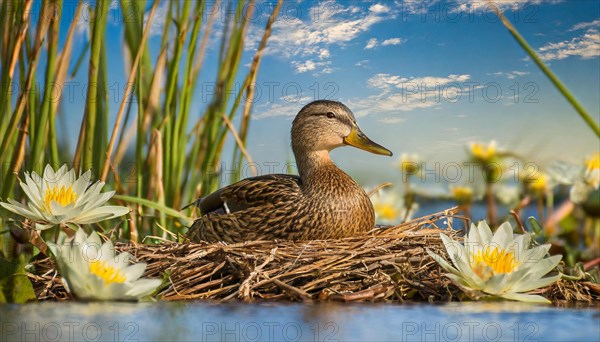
(15, 286)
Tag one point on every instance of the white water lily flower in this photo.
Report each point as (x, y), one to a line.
(507, 194)
(588, 181)
(539, 183)
(498, 265)
(391, 208)
(483, 153)
(592, 171)
(62, 198)
(462, 194)
(584, 180)
(91, 270)
(409, 164)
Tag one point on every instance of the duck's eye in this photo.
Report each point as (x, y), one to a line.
(330, 115)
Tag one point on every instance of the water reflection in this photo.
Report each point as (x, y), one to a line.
(209, 321)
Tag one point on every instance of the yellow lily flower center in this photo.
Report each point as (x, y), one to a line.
(499, 260)
(592, 174)
(538, 183)
(462, 194)
(593, 163)
(409, 167)
(483, 153)
(108, 273)
(387, 211)
(63, 196)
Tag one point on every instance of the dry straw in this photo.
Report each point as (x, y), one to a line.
(387, 265)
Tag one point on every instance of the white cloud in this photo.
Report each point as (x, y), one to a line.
(310, 65)
(379, 8)
(289, 106)
(401, 94)
(395, 94)
(387, 81)
(392, 120)
(504, 5)
(83, 21)
(324, 54)
(362, 63)
(427, 7)
(353, 9)
(371, 43)
(82, 27)
(511, 75)
(326, 70)
(392, 41)
(586, 46)
(159, 20)
(329, 23)
(295, 99)
(304, 66)
(586, 25)
(285, 109)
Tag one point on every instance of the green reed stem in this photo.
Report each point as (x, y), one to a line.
(91, 107)
(179, 134)
(130, 80)
(151, 204)
(41, 30)
(249, 88)
(40, 136)
(553, 78)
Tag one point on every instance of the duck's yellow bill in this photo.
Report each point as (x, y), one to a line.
(358, 139)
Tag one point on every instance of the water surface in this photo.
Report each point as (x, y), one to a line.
(207, 321)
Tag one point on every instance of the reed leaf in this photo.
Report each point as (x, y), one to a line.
(177, 149)
(254, 67)
(130, 80)
(61, 75)
(594, 126)
(46, 125)
(11, 48)
(88, 127)
(154, 205)
(24, 95)
(41, 29)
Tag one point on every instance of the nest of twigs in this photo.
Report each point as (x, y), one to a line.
(388, 264)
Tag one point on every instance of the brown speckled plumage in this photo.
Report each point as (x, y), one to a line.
(323, 202)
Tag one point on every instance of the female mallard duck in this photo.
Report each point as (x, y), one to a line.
(322, 203)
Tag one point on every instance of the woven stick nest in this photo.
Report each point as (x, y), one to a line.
(388, 264)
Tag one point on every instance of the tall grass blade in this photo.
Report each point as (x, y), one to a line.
(11, 48)
(40, 134)
(88, 127)
(546, 70)
(169, 154)
(61, 75)
(151, 204)
(41, 30)
(130, 80)
(250, 88)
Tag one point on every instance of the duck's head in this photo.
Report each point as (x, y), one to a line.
(324, 125)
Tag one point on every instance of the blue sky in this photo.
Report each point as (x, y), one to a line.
(422, 77)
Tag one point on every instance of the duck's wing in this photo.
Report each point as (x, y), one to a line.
(252, 192)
